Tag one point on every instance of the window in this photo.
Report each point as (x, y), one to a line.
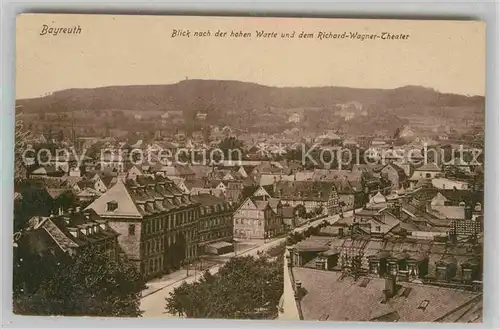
(131, 229)
(377, 228)
(112, 205)
(428, 175)
(150, 265)
(423, 305)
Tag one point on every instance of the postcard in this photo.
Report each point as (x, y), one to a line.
(311, 169)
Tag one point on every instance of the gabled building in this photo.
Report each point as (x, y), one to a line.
(395, 175)
(426, 171)
(312, 195)
(68, 233)
(258, 218)
(350, 194)
(157, 223)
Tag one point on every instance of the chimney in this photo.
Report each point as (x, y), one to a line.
(320, 263)
(403, 276)
(60, 211)
(78, 209)
(468, 211)
(298, 284)
(441, 272)
(466, 273)
(390, 287)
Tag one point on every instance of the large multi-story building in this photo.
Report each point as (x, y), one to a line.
(69, 233)
(258, 218)
(215, 228)
(157, 223)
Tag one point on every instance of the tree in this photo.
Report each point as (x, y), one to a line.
(21, 143)
(230, 147)
(66, 200)
(89, 284)
(245, 287)
(299, 211)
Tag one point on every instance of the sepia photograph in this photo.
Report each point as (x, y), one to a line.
(296, 169)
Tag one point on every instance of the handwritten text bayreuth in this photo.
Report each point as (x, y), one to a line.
(49, 30)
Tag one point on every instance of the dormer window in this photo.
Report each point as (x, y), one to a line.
(112, 206)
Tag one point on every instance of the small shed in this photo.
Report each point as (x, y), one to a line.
(219, 248)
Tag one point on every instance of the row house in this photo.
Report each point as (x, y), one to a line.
(406, 259)
(157, 223)
(368, 298)
(69, 233)
(312, 195)
(215, 228)
(258, 218)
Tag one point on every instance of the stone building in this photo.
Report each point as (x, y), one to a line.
(157, 223)
(215, 229)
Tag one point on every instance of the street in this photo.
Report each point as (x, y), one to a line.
(153, 303)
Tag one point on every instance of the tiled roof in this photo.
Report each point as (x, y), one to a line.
(309, 191)
(201, 171)
(314, 243)
(140, 197)
(261, 204)
(343, 187)
(337, 298)
(62, 240)
(56, 192)
(431, 166)
(336, 175)
(208, 200)
(59, 229)
(449, 212)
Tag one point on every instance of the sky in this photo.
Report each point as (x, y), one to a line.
(448, 56)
